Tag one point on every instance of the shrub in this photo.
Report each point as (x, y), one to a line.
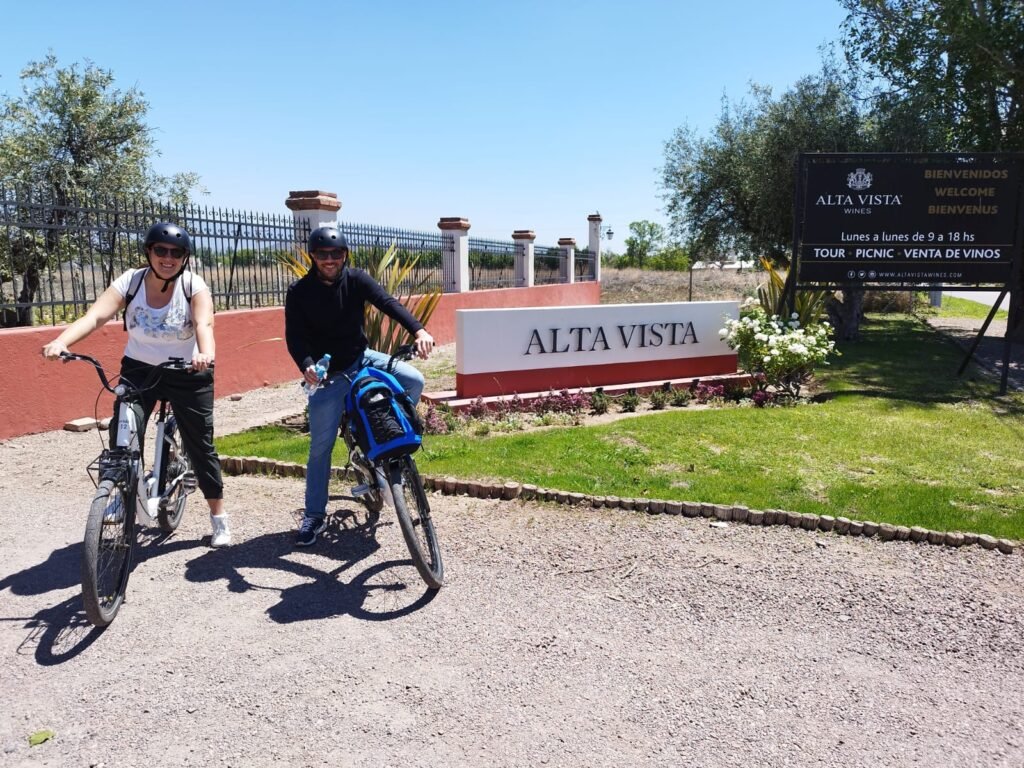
(598, 402)
(782, 351)
(680, 397)
(439, 420)
(629, 402)
(658, 399)
(706, 393)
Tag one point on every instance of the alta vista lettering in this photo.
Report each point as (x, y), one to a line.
(589, 339)
(841, 200)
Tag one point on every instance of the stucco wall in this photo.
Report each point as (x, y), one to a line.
(36, 395)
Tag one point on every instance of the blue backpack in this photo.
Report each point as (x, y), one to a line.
(381, 416)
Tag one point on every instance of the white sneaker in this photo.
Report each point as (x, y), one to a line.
(221, 533)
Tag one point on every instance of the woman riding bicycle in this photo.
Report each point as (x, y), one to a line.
(323, 313)
(169, 313)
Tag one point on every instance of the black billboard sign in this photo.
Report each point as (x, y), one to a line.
(908, 218)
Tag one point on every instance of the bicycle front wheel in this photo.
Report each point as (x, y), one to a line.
(107, 552)
(414, 518)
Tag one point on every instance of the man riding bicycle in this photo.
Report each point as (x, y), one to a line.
(324, 313)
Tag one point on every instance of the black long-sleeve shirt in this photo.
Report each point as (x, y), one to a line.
(321, 318)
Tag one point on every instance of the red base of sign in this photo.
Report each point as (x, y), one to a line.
(509, 382)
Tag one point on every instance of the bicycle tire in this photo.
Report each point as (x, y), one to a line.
(414, 518)
(173, 463)
(107, 553)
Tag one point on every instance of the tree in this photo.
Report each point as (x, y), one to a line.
(959, 61)
(644, 241)
(733, 192)
(71, 135)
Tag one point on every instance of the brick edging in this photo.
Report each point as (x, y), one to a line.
(450, 486)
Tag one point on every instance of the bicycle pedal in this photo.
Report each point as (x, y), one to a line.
(361, 490)
(189, 483)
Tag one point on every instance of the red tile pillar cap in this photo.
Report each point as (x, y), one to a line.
(312, 200)
(524, 234)
(453, 222)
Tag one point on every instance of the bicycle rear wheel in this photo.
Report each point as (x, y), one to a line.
(414, 518)
(176, 471)
(107, 552)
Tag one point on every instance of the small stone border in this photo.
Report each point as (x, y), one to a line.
(450, 486)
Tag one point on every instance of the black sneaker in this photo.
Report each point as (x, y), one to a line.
(309, 529)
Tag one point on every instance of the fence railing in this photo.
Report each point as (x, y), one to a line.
(586, 270)
(369, 242)
(58, 255)
(548, 265)
(492, 264)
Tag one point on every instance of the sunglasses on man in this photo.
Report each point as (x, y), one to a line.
(168, 250)
(330, 254)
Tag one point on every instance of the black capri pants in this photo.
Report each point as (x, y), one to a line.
(191, 398)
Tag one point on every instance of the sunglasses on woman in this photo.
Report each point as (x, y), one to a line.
(168, 250)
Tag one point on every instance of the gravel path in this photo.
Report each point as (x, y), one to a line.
(563, 637)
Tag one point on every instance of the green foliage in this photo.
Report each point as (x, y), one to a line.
(732, 192)
(779, 353)
(658, 399)
(629, 402)
(960, 65)
(72, 131)
(646, 238)
(599, 402)
(680, 397)
(672, 258)
(808, 305)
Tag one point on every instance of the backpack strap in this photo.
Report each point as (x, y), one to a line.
(133, 288)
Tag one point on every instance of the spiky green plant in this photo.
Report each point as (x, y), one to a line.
(393, 274)
(809, 305)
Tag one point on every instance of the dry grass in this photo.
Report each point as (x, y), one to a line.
(635, 286)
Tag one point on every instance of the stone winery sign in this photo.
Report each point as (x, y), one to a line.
(505, 351)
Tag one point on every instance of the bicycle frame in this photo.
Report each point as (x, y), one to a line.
(128, 442)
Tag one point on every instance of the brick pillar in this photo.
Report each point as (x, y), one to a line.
(455, 258)
(594, 242)
(313, 208)
(524, 257)
(568, 246)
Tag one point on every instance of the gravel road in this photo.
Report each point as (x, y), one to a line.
(563, 637)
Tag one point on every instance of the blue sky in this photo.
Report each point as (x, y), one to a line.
(516, 115)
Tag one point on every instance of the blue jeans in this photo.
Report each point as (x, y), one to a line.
(326, 408)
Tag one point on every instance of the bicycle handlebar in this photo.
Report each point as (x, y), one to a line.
(404, 352)
(174, 364)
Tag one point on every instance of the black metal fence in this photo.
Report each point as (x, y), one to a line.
(58, 255)
(548, 265)
(492, 264)
(586, 270)
(368, 244)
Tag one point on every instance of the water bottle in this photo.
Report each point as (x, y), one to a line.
(321, 368)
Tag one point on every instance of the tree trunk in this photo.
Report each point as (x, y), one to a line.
(846, 315)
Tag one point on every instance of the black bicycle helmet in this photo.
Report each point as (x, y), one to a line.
(169, 234)
(326, 237)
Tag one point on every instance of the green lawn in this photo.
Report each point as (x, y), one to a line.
(954, 306)
(894, 437)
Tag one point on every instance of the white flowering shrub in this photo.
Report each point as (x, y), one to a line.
(777, 352)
